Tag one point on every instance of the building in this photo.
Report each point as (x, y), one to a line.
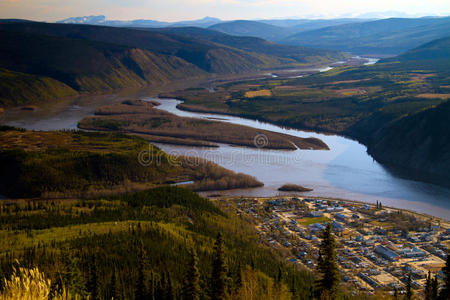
(316, 214)
(411, 252)
(341, 217)
(386, 253)
(337, 227)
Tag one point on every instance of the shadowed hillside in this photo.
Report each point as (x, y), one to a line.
(210, 57)
(419, 142)
(258, 45)
(387, 36)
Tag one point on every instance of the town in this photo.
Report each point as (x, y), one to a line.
(378, 248)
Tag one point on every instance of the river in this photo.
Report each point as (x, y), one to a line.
(345, 171)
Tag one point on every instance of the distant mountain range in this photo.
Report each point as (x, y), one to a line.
(387, 36)
(101, 20)
(367, 34)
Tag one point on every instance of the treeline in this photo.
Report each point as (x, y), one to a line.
(146, 251)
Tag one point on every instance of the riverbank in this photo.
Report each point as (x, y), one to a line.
(142, 117)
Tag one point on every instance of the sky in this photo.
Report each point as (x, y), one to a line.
(176, 10)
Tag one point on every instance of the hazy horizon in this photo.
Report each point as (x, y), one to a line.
(176, 10)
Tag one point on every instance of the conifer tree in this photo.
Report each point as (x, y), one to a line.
(140, 287)
(435, 289)
(409, 292)
(428, 287)
(191, 290)
(170, 293)
(327, 265)
(445, 292)
(92, 284)
(219, 278)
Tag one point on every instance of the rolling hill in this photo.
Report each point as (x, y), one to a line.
(256, 45)
(254, 29)
(387, 36)
(210, 57)
(434, 50)
(87, 65)
(102, 20)
(419, 143)
(86, 58)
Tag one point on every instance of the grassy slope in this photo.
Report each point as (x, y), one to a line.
(19, 88)
(388, 36)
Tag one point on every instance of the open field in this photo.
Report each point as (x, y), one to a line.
(434, 96)
(260, 93)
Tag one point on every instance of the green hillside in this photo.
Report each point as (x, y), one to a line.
(19, 88)
(87, 65)
(257, 45)
(387, 36)
(210, 57)
(73, 164)
(253, 29)
(434, 50)
(360, 102)
(140, 246)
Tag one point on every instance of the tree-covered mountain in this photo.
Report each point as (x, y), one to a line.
(419, 143)
(88, 65)
(257, 45)
(210, 57)
(300, 25)
(434, 50)
(102, 20)
(387, 36)
(254, 29)
(98, 58)
(364, 102)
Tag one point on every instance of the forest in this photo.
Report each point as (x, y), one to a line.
(140, 245)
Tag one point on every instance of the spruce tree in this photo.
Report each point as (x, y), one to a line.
(327, 265)
(141, 291)
(92, 283)
(409, 292)
(191, 290)
(435, 289)
(170, 293)
(445, 292)
(219, 278)
(428, 287)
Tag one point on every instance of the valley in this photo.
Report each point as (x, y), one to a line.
(214, 159)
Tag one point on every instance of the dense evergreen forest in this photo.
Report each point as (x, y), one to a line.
(74, 163)
(141, 246)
